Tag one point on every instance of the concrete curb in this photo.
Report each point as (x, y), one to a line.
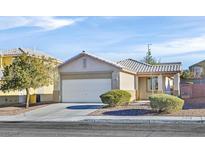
(112, 119)
(143, 121)
(147, 120)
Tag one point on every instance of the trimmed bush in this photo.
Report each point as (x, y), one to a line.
(166, 103)
(116, 97)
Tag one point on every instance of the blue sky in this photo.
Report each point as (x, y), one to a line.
(115, 38)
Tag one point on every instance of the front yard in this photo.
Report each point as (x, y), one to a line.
(144, 109)
(19, 108)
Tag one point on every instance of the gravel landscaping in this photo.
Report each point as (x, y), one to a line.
(19, 108)
(144, 109)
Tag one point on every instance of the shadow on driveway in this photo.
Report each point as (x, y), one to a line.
(129, 112)
(84, 107)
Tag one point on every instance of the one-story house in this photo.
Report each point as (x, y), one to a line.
(84, 77)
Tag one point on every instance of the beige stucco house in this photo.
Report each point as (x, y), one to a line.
(84, 77)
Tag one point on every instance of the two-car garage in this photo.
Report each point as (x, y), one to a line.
(84, 90)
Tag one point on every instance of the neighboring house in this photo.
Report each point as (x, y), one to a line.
(198, 69)
(85, 77)
(43, 94)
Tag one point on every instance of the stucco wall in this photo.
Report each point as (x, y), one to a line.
(127, 81)
(45, 90)
(11, 93)
(56, 96)
(46, 98)
(42, 90)
(92, 65)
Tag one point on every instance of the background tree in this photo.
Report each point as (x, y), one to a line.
(28, 72)
(149, 59)
(187, 74)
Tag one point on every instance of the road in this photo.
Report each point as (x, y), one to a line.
(79, 129)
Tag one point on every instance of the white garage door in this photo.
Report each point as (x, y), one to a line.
(84, 90)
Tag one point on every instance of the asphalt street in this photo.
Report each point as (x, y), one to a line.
(84, 129)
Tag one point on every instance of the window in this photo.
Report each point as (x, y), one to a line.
(152, 83)
(198, 71)
(84, 63)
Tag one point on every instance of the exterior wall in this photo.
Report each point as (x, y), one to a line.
(56, 96)
(11, 93)
(5, 61)
(92, 65)
(46, 97)
(99, 75)
(45, 90)
(56, 87)
(127, 82)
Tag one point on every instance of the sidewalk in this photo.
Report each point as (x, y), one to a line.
(108, 119)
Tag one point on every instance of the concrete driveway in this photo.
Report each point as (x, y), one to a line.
(53, 112)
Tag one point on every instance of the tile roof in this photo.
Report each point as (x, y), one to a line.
(133, 66)
(140, 67)
(18, 51)
(198, 64)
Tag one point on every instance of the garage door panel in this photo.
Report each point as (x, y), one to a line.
(84, 90)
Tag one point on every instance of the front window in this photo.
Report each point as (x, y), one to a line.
(152, 84)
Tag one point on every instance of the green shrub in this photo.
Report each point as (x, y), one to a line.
(166, 103)
(116, 97)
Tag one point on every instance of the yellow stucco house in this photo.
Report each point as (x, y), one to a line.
(43, 94)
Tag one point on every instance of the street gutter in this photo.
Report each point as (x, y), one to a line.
(111, 119)
(146, 120)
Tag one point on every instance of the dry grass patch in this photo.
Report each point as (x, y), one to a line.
(19, 108)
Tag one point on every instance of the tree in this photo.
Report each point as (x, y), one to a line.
(149, 59)
(28, 72)
(187, 74)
